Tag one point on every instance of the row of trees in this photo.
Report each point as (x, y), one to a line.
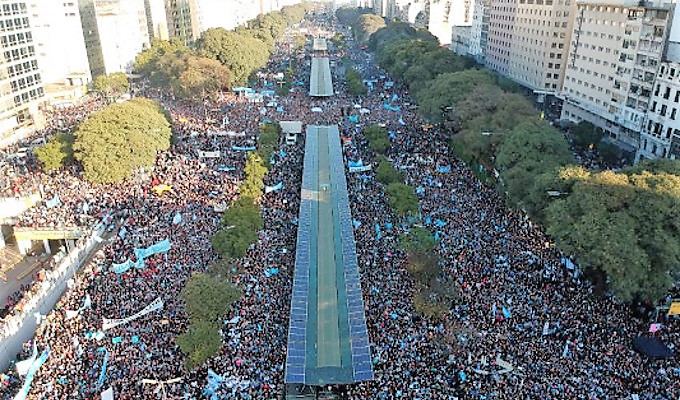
(112, 143)
(355, 85)
(220, 58)
(621, 227)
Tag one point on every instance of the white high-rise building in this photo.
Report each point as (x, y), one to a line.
(157, 19)
(213, 13)
(614, 60)
(20, 81)
(59, 43)
(115, 32)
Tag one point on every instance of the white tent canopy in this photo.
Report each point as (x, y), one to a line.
(291, 126)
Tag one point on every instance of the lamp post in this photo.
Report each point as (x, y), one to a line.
(161, 384)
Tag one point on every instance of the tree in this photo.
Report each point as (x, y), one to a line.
(386, 173)
(207, 298)
(625, 226)
(57, 152)
(609, 152)
(529, 150)
(201, 78)
(146, 61)
(112, 143)
(243, 214)
(447, 89)
(377, 138)
(241, 53)
(586, 135)
(201, 341)
(355, 85)
(255, 170)
(366, 25)
(418, 241)
(268, 140)
(112, 85)
(402, 199)
(233, 242)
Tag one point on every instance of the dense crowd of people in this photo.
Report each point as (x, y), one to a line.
(492, 344)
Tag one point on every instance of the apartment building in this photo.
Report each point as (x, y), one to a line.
(156, 19)
(183, 19)
(115, 31)
(21, 86)
(616, 53)
(469, 37)
(60, 47)
(660, 135)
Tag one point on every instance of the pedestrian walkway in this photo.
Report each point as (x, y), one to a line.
(327, 340)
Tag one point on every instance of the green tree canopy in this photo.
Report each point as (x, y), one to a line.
(201, 341)
(418, 241)
(402, 199)
(201, 78)
(112, 85)
(243, 214)
(114, 142)
(255, 170)
(448, 89)
(529, 150)
(268, 140)
(385, 173)
(146, 61)
(355, 85)
(366, 25)
(586, 135)
(241, 53)
(625, 226)
(378, 138)
(208, 298)
(57, 152)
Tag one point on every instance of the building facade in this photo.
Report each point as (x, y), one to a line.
(156, 19)
(59, 42)
(184, 20)
(115, 31)
(616, 52)
(21, 85)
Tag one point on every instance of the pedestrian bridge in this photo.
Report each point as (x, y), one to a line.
(320, 80)
(327, 336)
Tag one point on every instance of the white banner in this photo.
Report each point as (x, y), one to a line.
(112, 323)
(220, 207)
(208, 154)
(363, 168)
(107, 394)
(23, 366)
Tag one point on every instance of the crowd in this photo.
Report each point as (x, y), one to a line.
(491, 344)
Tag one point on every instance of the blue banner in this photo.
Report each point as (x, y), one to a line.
(124, 267)
(102, 374)
(160, 247)
(275, 188)
(390, 107)
(378, 233)
(225, 168)
(243, 148)
(359, 163)
(444, 169)
(31, 374)
(354, 118)
(53, 202)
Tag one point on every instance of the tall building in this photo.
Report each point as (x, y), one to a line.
(60, 47)
(461, 19)
(616, 52)
(660, 135)
(115, 31)
(528, 41)
(156, 19)
(184, 19)
(20, 80)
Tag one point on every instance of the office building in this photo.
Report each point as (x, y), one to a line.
(616, 53)
(528, 42)
(115, 31)
(21, 85)
(60, 49)
(184, 19)
(156, 19)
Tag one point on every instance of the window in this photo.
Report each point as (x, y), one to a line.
(673, 111)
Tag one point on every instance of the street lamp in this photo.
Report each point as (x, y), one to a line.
(161, 384)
